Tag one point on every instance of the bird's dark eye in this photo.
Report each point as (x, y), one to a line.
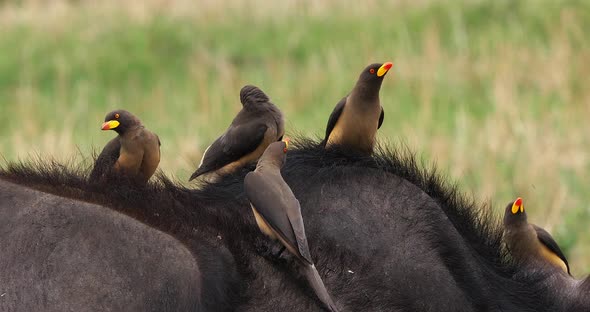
(372, 70)
(116, 116)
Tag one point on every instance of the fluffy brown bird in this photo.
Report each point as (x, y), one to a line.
(528, 242)
(278, 213)
(135, 152)
(258, 124)
(356, 118)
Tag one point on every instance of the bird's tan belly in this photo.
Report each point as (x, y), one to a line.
(264, 227)
(139, 157)
(128, 163)
(358, 131)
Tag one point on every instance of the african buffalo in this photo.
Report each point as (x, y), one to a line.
(385, 234)
(60, 254)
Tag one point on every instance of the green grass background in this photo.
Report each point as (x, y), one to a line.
(495, 92)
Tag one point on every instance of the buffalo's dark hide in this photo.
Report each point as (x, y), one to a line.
(386, 235)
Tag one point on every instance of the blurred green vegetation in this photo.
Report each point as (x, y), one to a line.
(496, 92)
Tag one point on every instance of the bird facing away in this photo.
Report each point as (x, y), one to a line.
(135, 152)
(356, 118)
(278, 214)
(258, 124)
(528, 242)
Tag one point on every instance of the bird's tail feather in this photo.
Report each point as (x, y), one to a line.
(314, 279)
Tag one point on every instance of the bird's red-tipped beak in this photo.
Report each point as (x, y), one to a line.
(110, 125)
(384, 68)
(517, 206)
(286, 140)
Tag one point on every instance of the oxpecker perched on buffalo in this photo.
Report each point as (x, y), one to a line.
(529, 243)
(355, 119)
(134, 153)
(258, 124)
(278, 213)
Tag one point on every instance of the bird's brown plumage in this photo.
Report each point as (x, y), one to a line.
(354, 121)
(257, 125)
(135, 152)
(529, 243)
(278, 213)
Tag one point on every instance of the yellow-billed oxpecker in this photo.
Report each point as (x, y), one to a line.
(278, 214)
(135, 152)
(356, 118)
(258, 124)
(528, 242)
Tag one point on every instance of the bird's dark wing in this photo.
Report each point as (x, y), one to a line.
(265, 194)
(235, 143)
(107, 158)
(243, 139)
(381, 117)
(334, 118)
(296, 219)
(546, 239)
